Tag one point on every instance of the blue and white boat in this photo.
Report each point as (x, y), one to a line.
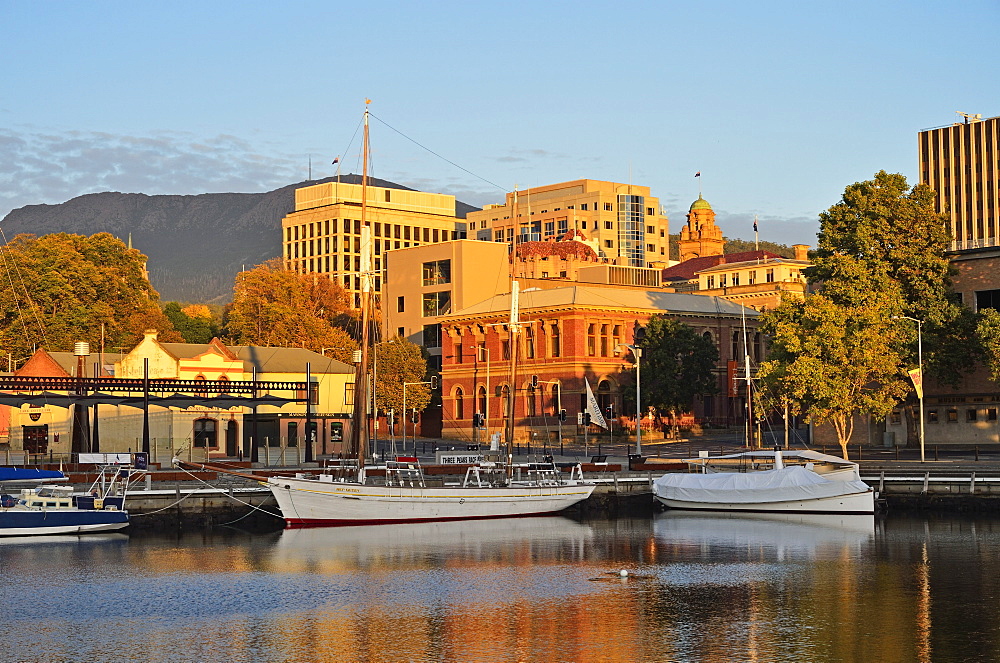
(55, 509)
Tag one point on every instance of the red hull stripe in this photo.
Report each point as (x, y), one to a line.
(298, 523)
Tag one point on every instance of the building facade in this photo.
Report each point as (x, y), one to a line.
(195, 430)
(961, 162)
(623, 223)
(573, 335)
(323, 234)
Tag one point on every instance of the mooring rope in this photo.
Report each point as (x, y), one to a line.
(232, 497)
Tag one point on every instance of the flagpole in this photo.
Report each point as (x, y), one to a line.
(756, 239)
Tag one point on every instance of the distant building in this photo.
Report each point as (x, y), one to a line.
(700, 237)
(323, 234)
(757, 279)
(622, 223)
(961, 161)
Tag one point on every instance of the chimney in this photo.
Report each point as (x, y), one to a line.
(801, 251)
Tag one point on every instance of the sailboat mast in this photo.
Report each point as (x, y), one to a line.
(746, 368)
(513, 327)
(359, 423)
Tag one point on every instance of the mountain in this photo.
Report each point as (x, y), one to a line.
(196, 244)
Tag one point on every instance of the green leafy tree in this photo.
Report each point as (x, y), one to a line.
(197, 328)
(398, 361)
(678, 364)
(880, 255)
(988, 330)
(830, 361)
(62, 288)
(273, 306)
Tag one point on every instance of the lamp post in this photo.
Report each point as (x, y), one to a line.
(433, 384)
(920, 365)
(637, 353)
(558, 390)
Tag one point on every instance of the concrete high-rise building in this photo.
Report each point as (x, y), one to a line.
(961, 162)
(623, 223)
(323, 234)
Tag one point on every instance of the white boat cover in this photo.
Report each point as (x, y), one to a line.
(785, 485)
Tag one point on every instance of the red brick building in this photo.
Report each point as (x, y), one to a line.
(571, 335)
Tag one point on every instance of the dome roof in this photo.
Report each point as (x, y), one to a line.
(701, 203)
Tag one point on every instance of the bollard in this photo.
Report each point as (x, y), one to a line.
(935, 452)
(897, 452)
(859, 452)
(977, 455)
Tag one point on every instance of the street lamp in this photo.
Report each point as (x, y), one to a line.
(559, 412)
(920, 364)
(637, 353)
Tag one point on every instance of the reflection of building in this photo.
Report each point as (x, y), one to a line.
(572, 333)
(622, 223)
(960, 162)
(323, 234)
(210, 431)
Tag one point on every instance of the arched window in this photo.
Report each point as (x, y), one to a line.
(459, 403)
(482, 400)
(556, 349)
(504, 401)
(206, 435)
(736, 346)
(592, 340)
(556, 397)
(529, 342)
(604, 396)
(529, 396)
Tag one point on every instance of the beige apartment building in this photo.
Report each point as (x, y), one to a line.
(622, 223)
(961, 162)
(424, 282)
(758, 281)
(323, 234)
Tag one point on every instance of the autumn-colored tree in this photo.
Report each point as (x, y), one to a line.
(273, 306)
(63, 288)
(988, 331)
(397, 362)
(197, 311)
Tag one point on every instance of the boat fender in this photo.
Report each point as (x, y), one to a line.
(623, 573)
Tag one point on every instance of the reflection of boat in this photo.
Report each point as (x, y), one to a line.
(493, 490)
(784, 532)
(804, 481)
(51, 509)
(465, 539)
(66, 539)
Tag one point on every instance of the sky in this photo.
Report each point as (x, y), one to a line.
(779, 105)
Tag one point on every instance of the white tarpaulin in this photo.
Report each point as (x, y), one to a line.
(784, 485)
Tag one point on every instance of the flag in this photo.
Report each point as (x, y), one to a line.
(755, 224)
(698, 174)
(918, 381)
(336, 161)
(593, 409)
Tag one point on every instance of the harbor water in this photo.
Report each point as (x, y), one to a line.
(696, 588)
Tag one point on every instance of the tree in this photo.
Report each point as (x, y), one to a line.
(63, 288)
(830, 361)
(196, 326)
(880, 256)
(677, 365)
(273, 306)
(988, 331)
(398, 361)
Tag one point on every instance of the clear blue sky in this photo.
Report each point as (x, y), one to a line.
(779, 105)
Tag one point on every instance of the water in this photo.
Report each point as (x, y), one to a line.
(701, 588)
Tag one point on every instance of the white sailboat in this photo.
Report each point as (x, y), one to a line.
(347, 495)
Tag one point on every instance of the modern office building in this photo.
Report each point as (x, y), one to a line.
(323, 234)
(623, 223)
(961, 162)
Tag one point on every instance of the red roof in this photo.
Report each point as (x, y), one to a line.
(561, 249)
(686, 270)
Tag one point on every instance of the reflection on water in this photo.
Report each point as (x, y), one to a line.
(701, 588)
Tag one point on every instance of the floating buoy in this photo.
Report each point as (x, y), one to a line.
(623, 573)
